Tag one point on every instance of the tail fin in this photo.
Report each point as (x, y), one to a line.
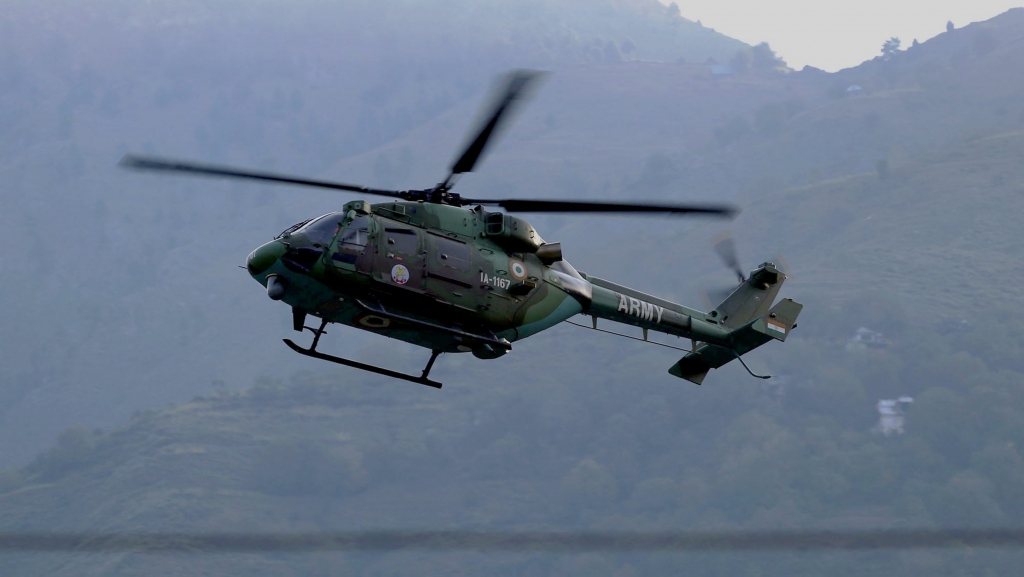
(749, 313)
(751, 299)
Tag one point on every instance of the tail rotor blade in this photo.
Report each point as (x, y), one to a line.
(715, 296)
(725, 248)
(783, 265)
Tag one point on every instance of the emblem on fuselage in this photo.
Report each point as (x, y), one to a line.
(400, 274)
(518, 269)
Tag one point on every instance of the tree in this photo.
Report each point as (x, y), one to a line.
(741, 61)
(764, 58)
(890, 48)
(949, 26)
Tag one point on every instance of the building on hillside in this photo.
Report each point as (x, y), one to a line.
(891, 415)
(865, 338)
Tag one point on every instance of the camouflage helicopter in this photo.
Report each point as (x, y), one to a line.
(438, 270)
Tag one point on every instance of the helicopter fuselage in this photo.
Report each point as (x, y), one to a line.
(448, 278)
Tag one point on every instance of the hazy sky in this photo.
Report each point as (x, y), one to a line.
(835, 35)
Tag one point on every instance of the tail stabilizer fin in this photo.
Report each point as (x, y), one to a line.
(774, 324)
(751, 299)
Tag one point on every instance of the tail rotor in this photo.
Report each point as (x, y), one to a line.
(725, 247)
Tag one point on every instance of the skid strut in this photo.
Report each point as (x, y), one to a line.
(312, 352)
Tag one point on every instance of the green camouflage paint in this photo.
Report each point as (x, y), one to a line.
(429, 274)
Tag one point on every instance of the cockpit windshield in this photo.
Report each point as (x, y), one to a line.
(292, 229)
(320, 230)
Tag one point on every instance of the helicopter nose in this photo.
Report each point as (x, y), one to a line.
(264, 257)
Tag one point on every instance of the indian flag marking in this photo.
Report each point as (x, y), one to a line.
(773, 326)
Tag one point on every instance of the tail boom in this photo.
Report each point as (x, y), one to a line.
(741, 323)
(628, 306)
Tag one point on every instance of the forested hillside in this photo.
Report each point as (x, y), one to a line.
(607, 445)
(892, 191)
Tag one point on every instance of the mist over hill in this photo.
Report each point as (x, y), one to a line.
(892, 189)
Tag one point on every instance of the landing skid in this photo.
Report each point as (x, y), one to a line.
(312, 352)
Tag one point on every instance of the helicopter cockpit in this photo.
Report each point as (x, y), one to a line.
(319, 231)
(351, 229)
(317, 234)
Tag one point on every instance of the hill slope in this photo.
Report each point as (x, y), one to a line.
(150, 296)
(138, 297)
(611, 445)
(123, 279)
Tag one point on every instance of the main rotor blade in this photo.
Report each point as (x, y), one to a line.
(168, 165)
(522, 205)
(517, 84)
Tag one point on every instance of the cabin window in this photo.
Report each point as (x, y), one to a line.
(403, 240)
(452, 254)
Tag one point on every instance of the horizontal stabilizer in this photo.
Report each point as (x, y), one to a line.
(695, 366)
(780, 320)
(777, 324)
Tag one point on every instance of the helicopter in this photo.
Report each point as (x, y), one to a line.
(441, 271)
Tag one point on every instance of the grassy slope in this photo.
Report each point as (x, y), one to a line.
(939, 232)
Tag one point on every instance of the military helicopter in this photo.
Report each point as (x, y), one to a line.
(436, 269)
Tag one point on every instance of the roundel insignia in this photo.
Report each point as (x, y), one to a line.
(400, 274)
(518, 269)
(374, 322)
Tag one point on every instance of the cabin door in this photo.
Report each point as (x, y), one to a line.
(400, 257)
(450, 272)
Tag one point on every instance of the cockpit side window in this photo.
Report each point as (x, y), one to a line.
(356, 234)
(353, 239)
